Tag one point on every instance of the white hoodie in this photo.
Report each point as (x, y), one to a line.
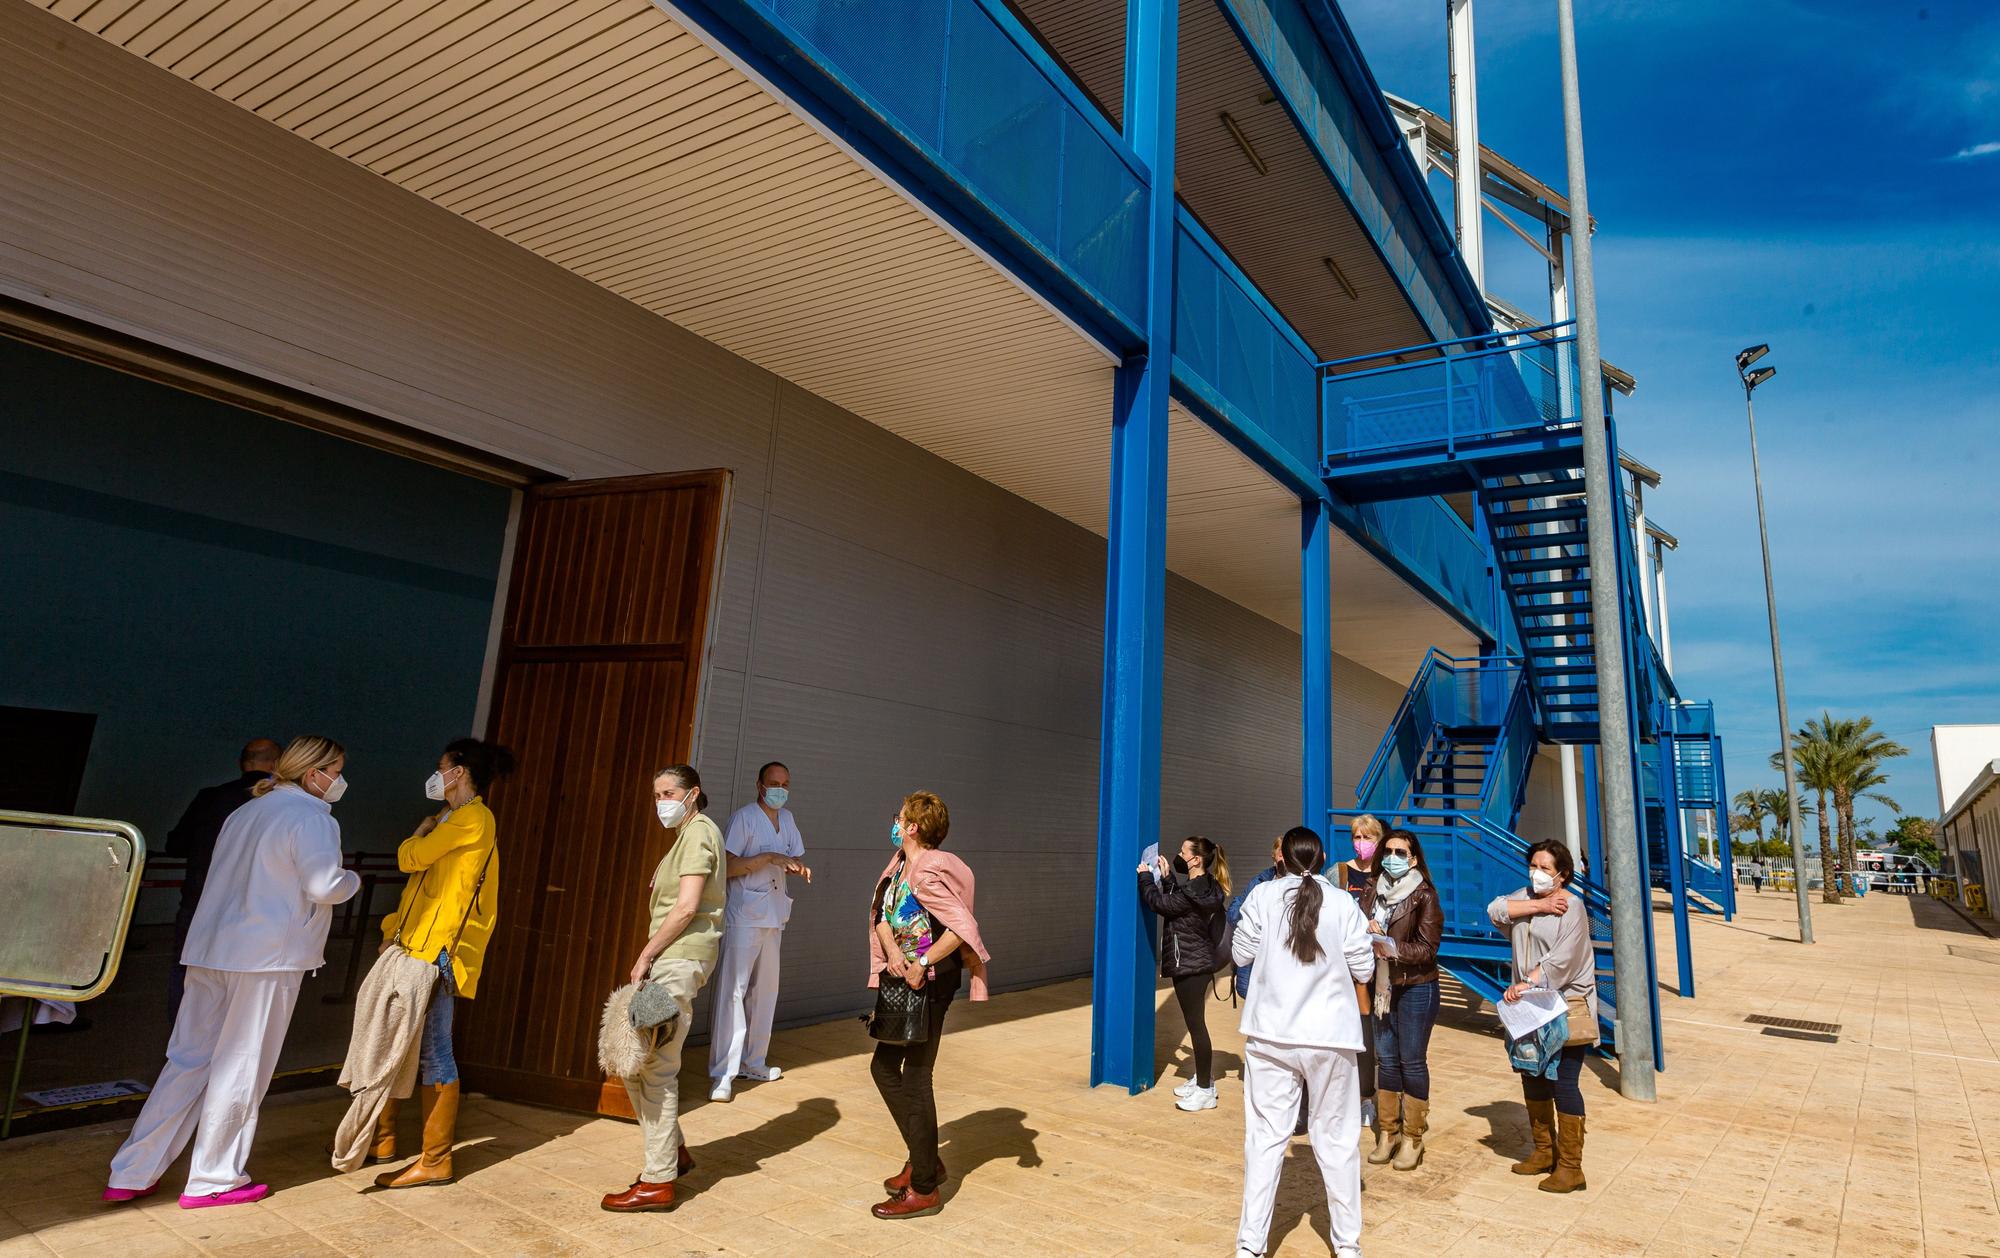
(276, 872)
(1291, 1002)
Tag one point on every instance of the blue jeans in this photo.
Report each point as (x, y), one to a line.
(435, 1063)
(1403, 1040)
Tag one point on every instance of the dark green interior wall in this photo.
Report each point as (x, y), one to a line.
(197, 575)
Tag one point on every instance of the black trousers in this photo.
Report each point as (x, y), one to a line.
(903, 1076)
(1191, 990)
(1564, 1089)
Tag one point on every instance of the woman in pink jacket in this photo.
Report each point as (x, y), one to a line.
(921, 932)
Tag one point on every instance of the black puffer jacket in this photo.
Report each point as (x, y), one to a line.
(1188, 911)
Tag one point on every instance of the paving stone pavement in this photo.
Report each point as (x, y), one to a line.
(1887, 1142)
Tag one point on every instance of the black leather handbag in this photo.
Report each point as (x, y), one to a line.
(902, 1013)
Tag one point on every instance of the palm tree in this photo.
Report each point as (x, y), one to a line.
(1820, 772)
(1751, 812)
(1860, 751)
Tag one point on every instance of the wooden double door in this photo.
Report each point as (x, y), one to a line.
(596, 689)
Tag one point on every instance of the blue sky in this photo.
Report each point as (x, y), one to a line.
(1823, 175)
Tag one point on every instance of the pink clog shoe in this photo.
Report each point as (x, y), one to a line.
(129, 1194)
(234, 1197)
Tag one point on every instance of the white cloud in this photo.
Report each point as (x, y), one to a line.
(1988, 149)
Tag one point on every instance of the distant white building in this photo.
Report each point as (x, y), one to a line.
(1968, 776)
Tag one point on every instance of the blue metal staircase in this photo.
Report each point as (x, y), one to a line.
(1453, 768)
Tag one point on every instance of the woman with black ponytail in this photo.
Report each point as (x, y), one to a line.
(1301, 1036)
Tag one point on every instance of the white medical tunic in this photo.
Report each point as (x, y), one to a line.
(271, 888)
(759, 899)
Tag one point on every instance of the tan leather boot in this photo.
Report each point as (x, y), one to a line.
(384, 1147)
(1569, 1156)
(1388, 1126)
(1416, 1120)
(440, 1129)
(1542, 1124)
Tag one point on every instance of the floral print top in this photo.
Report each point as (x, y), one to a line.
(908, 921)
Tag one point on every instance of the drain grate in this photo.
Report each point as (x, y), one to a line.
(1793, 1024)
(1787, 1033)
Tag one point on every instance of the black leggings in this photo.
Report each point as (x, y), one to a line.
(1562, 1089)
(903, 1076)
(1192, 991)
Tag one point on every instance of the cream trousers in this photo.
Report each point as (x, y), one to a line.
(656, 1089)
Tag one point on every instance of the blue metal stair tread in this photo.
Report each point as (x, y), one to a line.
(1542, 541)
(1565, 586)
(1545, 565)
(1535, 515)
(1559, 488)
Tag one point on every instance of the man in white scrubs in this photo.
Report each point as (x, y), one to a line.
(763, 847)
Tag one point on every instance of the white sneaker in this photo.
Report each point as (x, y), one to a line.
(723, 1091)
(1186, 1088)
(1368, 1112)
(769, 1074)
(1199, 1099)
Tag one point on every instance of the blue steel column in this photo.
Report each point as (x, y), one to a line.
(1316, 647)
(1128, 796)
(1725, 848)
(1593, 817)
(1676, 848)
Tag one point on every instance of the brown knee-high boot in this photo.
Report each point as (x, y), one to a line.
(1568, 1175)
(1542, 1123)
(1388, 1126)
(384, 1147)
(440, 1128)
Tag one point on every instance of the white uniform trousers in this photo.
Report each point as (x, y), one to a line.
(220, 1057)
(746, 994)
(1272, 1077)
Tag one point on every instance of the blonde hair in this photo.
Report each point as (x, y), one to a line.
(1366, 827)
(301, 756)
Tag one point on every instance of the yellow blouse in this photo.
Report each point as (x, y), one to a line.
(444, 867)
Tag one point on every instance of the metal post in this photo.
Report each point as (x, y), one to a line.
(1660, 602)
(1316, 644)
(1631, 900)
(1135, 601)
(1593, 816)
(1465, 139)
(1676, 849)
(1725, 843)
(1778, 678)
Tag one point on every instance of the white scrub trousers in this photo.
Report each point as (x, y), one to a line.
(746, 994)
(219, 1062)
(1272, 1077)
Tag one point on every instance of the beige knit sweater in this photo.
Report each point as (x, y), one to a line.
(382, 1052)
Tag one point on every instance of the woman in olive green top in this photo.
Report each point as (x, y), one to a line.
(684, 905)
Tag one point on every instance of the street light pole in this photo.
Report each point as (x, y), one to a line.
(1751, 379)
(1631, 898)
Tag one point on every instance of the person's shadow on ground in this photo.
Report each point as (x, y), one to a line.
(1506, 1126)
(970, 1141)
(744, 1152)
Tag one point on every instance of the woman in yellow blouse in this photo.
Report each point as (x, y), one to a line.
(446, 915)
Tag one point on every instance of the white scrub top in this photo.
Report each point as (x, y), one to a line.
(270, 891)
(760, 899)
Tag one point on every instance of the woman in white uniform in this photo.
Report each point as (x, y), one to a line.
(1301, 1035)
(261, 925)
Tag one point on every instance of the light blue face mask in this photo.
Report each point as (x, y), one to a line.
(776, 796)
(1395, 866)
(896, 834)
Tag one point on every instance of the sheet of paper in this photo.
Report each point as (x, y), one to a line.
(1534, 1010)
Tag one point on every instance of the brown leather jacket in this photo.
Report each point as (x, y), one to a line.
(1417, 933)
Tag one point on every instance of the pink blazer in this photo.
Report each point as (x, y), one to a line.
(943, 885)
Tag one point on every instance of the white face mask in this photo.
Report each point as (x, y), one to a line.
(334, 789)
(1541, 881)
(672, 811)
(434, 785)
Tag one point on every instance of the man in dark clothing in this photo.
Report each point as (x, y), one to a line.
(193, 839)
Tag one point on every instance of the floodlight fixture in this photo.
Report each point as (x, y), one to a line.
(1751, 355)
(1758, 377)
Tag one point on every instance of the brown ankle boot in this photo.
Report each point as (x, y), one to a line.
(440, 1129)
(1542, 1124)
(1568, 1176)
(384, 1147)
(1416, 1121)
(1388, 1126)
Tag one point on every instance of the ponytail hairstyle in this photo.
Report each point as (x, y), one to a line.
(301, 756)
(482, 762)
(1304, 855)
(688, 779)
(1214, 861)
